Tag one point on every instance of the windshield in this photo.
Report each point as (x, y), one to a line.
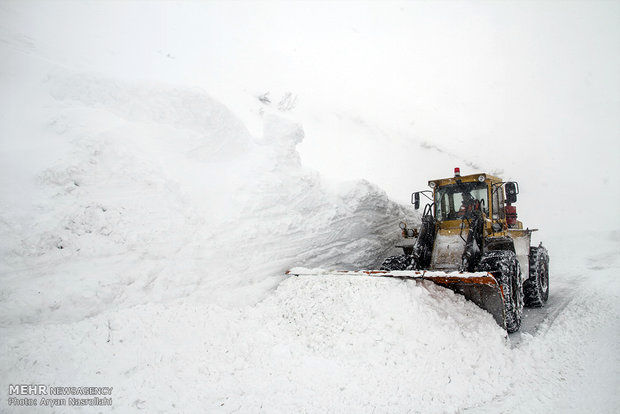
(449, 203)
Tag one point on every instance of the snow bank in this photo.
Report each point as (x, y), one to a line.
(316, 344)
(154, 192)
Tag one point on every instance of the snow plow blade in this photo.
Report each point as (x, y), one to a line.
(479, 287)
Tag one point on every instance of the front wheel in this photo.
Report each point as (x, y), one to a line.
(504, 266)
(401, 262)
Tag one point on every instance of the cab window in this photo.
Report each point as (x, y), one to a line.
(449, 199)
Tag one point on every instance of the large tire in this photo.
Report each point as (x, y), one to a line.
(504, 266)
(401, 262)
(536, 287)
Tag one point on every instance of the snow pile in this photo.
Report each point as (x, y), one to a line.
(317, 344)
(325, 343)
(153, 192)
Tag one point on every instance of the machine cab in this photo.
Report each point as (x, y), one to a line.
(452, 198)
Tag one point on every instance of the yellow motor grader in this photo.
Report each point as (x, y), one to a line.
(471, 242)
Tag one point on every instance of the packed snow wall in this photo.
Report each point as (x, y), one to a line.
(131, 193)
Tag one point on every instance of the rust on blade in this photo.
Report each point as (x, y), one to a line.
(475, 280)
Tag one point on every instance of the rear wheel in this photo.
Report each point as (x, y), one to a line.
(536, 288)
(504, 266)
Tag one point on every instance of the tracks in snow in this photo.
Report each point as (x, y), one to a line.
(538, 320)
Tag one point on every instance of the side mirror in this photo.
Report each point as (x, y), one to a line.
(415, 200)
(512, 189)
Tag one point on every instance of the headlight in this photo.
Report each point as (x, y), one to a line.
(481, 178)
(431, 184)
(403, 225)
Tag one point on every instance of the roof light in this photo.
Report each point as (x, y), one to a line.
(457, 172)
(481, 178)
(431, 184)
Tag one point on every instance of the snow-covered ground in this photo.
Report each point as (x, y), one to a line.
(150, 213)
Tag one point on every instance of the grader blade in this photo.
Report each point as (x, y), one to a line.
(479, 287)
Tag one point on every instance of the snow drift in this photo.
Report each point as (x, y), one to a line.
(159, 192)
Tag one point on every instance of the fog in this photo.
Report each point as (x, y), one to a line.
(396, 93)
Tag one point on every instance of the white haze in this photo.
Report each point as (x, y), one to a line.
(526, 89)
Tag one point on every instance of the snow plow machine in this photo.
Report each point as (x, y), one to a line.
(471, 242)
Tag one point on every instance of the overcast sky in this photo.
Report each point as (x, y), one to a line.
(528, 88)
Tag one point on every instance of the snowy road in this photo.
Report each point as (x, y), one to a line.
(536, 319)
(574, 337)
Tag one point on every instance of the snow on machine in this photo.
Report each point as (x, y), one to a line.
(471, 242)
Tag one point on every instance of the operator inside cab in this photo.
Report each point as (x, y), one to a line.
(456, 201)
(468, 205)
